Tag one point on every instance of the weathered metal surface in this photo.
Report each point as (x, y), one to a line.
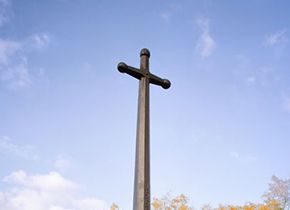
(142, 158)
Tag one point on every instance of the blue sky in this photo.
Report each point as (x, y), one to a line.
(68, 117)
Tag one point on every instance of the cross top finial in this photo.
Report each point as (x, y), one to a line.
(145, 51)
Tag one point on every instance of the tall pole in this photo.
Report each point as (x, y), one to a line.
(142, 158)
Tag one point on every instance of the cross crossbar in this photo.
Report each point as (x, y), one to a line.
(139, 73)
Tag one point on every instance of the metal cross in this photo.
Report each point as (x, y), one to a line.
(142, 158)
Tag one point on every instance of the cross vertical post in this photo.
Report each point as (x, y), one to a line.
(142, 160)
(142, 155)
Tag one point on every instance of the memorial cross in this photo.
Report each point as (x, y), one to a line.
(142, 155)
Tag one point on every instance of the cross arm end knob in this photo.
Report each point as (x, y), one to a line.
(166, 84)
(122, 67)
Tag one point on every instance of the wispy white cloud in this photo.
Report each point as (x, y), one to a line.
(4, 11)
(276, 38)
(165, 16)
(38, 41)
(286, 104)
(171, 10)
(48, 182)
(7, 49)
(251, 73)
(62, 162)
(45, 192)
(21, 151)
(14, 69)
(244, 158)
(13, 62)
(234, 154)
(13, 65)
(251, 80)
(206, 44)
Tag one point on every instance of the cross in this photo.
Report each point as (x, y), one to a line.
(142, 158)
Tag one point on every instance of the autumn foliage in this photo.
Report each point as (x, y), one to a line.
(276, 198)
(180, 203)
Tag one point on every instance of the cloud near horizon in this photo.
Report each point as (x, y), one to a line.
(62, 162)
(22, 151)
(44, 192)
